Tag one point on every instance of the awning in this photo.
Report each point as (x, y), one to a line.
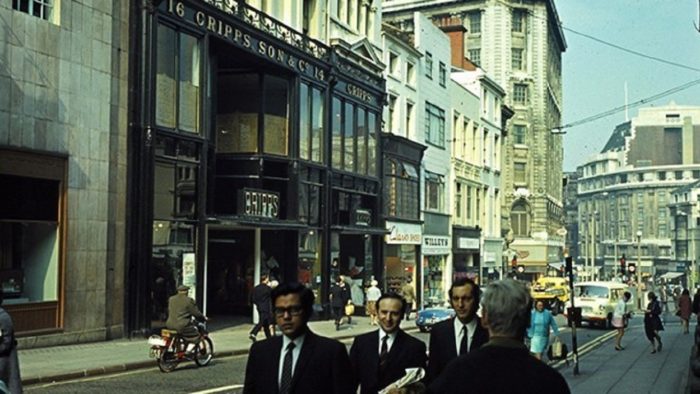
(671, 275)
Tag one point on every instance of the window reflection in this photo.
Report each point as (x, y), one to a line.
(276, 113)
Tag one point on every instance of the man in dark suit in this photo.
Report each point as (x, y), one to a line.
(381, 357)
(298, 362)
(504, 364)
(461, 334)
(261, 299)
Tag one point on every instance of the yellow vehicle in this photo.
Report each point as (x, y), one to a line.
(553, 291)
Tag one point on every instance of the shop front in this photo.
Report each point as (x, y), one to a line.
(492, 267)
(401, 254)
(466, 251)
(236, 173)
(437, 270)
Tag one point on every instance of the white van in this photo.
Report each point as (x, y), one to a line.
(597, 300)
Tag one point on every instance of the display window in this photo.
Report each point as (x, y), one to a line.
(433, 288)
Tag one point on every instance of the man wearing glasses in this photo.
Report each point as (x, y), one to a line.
(299, 361)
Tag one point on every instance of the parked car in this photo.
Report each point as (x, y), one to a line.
(428, 317)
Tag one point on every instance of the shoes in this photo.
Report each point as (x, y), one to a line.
(653, 351)
(619, 348)
(252, 337)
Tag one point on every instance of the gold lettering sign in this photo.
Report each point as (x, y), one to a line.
(358, 92)
(244, 40)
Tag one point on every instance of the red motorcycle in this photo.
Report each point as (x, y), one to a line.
(170, 348)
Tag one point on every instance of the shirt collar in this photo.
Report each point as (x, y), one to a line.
(391, 336)
(298, 341)
(471, 326)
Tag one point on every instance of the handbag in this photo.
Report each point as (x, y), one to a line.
(349, 309)
(678, 312)
(557, 350)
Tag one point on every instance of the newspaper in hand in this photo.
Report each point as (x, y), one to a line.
(413, 375)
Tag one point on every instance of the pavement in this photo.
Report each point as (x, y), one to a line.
(60, 363)
(601, 368)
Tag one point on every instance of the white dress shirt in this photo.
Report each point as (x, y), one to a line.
(298, 342)
(471, 327)
(389, 342)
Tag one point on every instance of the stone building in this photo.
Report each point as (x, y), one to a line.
(63, 165)
(624, 193)
(519, 44)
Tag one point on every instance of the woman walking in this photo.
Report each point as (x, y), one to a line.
(684, 309)
(652, 322)
(541, 321)
(620, 317)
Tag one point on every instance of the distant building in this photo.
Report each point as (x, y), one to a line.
(625, 191)
(571, 214)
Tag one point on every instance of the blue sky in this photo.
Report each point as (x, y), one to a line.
(594, 74)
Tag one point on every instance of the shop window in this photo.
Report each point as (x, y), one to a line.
(31, 235)
(336, 134)
(353, 254)
(177, 81)
(310, 193)
(311, 115)
(309, 267)
(349, 138)
(433, 292)
(276, 113)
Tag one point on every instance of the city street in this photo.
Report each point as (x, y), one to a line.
(226, 375)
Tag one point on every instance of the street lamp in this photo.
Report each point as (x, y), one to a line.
(639, 270)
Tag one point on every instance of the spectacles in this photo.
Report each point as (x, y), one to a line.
(294, 310)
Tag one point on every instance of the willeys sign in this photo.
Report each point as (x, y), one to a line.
(241, 38)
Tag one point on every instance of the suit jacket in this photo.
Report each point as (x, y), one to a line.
(261, 298)
(180, 309)
(322, 367)
(406, 352)
(443, 346)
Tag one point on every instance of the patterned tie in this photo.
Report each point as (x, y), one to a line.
(464, 344)
(286, 382)
(384, 353)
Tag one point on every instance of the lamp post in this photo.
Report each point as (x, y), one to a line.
(639, 271)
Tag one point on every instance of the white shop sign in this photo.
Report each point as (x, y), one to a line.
(403, 233)
(468, 243)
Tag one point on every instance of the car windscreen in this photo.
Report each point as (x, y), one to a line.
(591, 291)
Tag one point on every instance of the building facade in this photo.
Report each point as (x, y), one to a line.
(63, 160)
(520, 46)
(684, 209)
(624, 194)
(256, 150)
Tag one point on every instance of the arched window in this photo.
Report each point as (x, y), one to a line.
(520, 219)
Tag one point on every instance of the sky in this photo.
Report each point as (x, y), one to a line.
(594, 74)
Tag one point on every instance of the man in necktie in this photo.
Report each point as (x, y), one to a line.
(298, 362)
(381, 357)
(461, 334)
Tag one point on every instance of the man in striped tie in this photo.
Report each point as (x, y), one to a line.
(298, 362)
(381, 357)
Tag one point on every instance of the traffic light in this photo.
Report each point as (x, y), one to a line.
(622, 264)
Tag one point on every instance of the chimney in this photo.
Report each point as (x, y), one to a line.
(454, 28)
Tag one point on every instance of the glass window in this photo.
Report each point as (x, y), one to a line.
(429, 65)
(173, 258)
(519, 134)
(474, 19)
(276, 113)
(392, 113)
(442, 74)
(371, 143)
(475, 55)
(519, 18)
(237, 114)
(434, 125)
(361, 141)
(401, 193)
(39, 8)
(177, 80)
(317, 132)
(349, 140)
(310, 269)
(520, 95)
(517, 58)
(304, 121)
(434, 192)
(336, 136)
(520, 220)
(458, 200)
(410, 74)
(519, 172)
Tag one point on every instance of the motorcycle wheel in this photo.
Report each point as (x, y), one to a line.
(167, 361)
(204, 352)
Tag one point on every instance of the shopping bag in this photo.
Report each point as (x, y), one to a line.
(349, 309)
(557, 350)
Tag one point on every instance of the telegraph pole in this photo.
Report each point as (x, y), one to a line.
(574, 313)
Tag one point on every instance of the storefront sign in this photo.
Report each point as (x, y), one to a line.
(403, 233)
(261, 203)
(359, 93)
(362, 217)
(436, 245)
(468, 243)
(241, 39)
(189, 273)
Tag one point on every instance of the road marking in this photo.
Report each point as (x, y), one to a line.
(585, 348)
(219, 389)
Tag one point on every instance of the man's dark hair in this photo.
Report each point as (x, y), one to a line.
(305, 295)
(476, 291)
(627, 295)
(392, 296)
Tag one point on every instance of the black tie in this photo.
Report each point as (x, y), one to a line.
(384, 352)
(286, 382)
(464, 344)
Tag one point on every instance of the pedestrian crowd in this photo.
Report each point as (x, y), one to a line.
(467, 352)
